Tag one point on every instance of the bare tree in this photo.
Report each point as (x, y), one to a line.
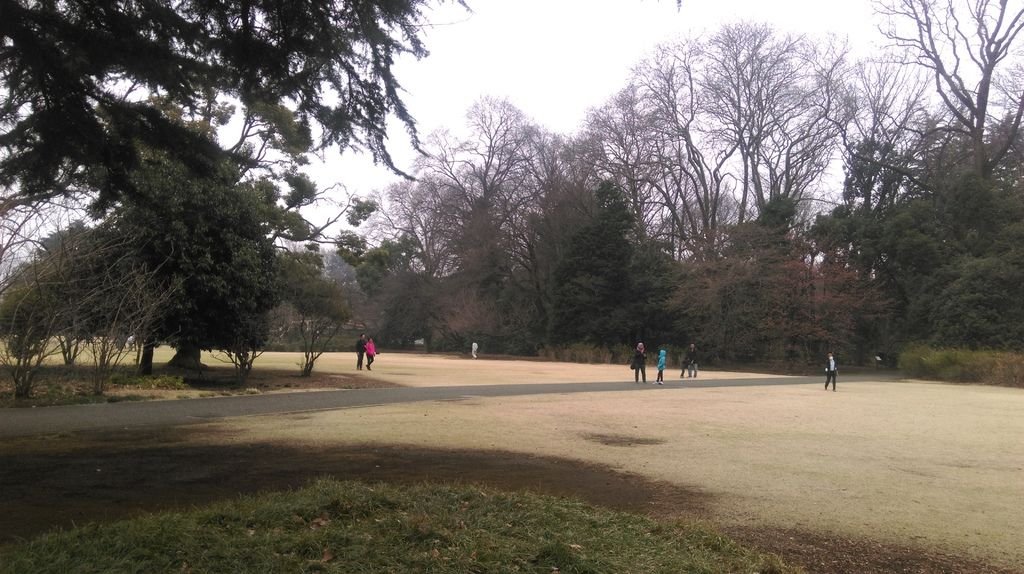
(776, 97)
(23, 226)
(626, 152)
(966, 47)
(694, 180)
(889, 128)
(121, 304)
(33, 313)
(28, 320)
(424, 211)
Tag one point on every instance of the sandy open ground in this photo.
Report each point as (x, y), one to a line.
(921, 465)
(416, 370)
(926, 464)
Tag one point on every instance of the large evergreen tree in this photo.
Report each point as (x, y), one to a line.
(593, 293)
(210, 237)
(78, 76)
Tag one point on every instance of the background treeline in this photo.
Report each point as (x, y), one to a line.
(706, 201)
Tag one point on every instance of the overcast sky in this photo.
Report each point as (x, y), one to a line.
(555, 59)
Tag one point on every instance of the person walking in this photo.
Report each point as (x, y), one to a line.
(639, 363)
(831, 370)
(371, 352)
(662, 357)
(475, 349)
(690, 362)
(360, 351)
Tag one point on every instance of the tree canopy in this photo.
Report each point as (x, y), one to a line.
(78, 78)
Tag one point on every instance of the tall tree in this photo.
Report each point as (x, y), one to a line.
(967, 48)
(77, 77)
(695, 179)
(211, 236)
(776, 98)
(592, 301)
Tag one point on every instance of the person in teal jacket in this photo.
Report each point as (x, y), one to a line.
(662, 355)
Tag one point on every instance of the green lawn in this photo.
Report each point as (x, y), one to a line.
(353, 527)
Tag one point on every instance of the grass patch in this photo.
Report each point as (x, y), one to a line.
(964, 366)
(149, 382)
(64, 385)
(353, 527)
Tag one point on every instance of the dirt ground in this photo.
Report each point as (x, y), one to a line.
(879, 477)
(417, 370)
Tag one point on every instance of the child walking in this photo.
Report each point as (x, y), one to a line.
(662, 355)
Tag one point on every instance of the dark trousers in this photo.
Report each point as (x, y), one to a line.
(830, 376)
(640, 370)
(359, 360)
(369, 361)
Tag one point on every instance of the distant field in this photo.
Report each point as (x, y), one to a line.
(419, 370)
(934, 465)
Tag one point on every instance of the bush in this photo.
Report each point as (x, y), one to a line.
(150, 382)
(963, 366)
(583, 353)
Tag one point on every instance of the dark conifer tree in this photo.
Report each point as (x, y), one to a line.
(78, 77)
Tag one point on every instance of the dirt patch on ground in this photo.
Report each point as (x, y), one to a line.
(621, 440)
(60, 482)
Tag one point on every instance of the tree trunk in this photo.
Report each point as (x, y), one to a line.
(307, 365)
(187, 357)
(146, 358)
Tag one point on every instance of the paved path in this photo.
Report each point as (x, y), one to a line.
(48, 420)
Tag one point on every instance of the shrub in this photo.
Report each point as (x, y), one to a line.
(583, 353)
(964, 366)
(150, 382)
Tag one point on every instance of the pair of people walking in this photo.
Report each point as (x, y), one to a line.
(365, 347)
(639, 364)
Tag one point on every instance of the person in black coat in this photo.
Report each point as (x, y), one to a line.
(639, 363)
(690, 362)
(360, 351)
(831, 369)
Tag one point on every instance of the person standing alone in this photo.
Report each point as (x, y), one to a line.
(831, 369)
(690, 362)
(360, 351)
(662, 357)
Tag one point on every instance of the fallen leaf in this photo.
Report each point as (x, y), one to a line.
(328, 556)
